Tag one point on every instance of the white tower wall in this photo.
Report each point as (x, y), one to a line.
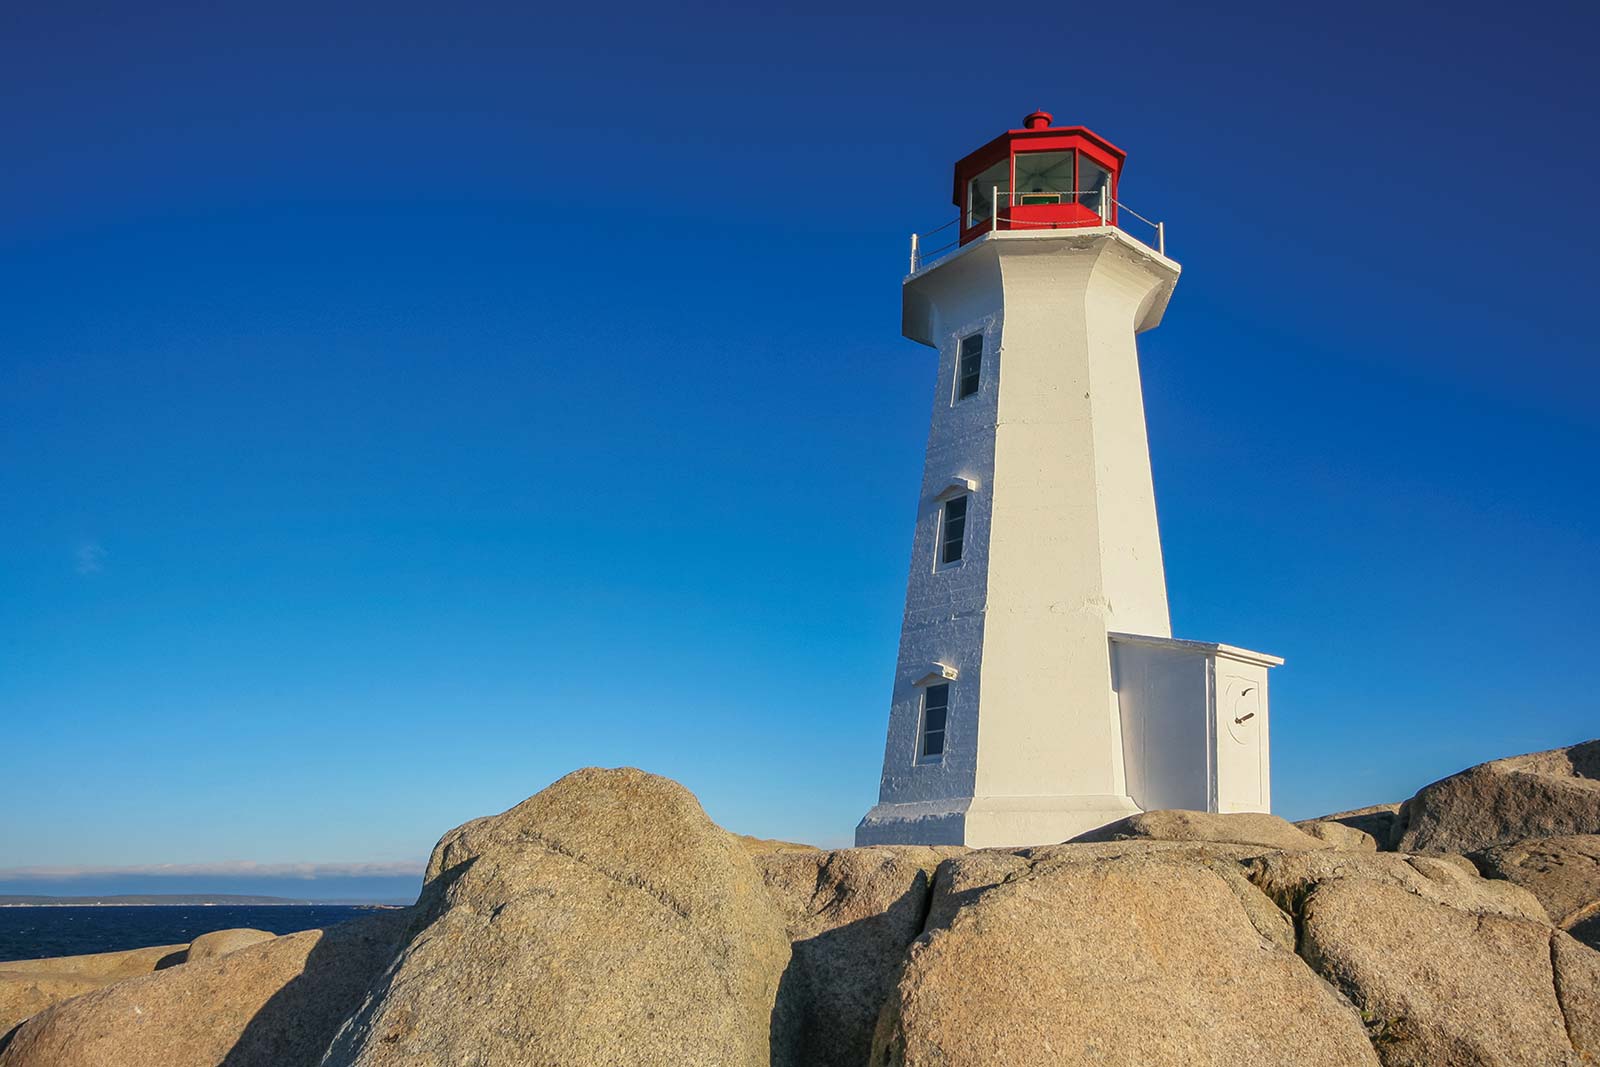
(944, 613)
(1075, 551)
(1070, 704)
(1062, 544)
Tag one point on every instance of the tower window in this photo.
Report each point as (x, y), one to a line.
(969, 365)
(952, 529)
(935, 709)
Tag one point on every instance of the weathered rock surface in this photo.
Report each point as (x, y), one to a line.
(1577, 975)
(1587, 930)
(608, 921)
(1563, 872)
(25, 995)
(1150, 963)
(1375, 819)
(1447, 967)
(1541, 794)
(222, 942)
(1339, 835)
(27, 987)
(761, 846)
(604, 921)
(273, 1004)
(1290, 877)
(113, 966)
(851, 915)
(1440, 986)
(961, 880)
(1245, 828)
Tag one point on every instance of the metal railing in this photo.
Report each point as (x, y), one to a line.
(920, 255)
(923, 257)
(1158, 229)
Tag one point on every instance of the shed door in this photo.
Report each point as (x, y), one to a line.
(1241, 774)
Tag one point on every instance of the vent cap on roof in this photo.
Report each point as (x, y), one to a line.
(1039, 120)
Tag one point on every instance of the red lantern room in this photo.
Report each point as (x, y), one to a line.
(1040, 177)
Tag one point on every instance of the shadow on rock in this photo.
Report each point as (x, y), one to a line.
(277, 1003)
(837, 982)
(299, 1021)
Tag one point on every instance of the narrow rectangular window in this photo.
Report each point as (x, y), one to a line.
(952, 529)
(969, 365)
(935, 708)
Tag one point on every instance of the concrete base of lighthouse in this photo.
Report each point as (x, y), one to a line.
(991, 822)
(1193, 734)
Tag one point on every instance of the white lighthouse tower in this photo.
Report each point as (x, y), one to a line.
(1039, 692)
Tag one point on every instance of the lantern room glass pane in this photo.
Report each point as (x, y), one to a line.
(1045, 177)
(980, 192)
(1093, 178)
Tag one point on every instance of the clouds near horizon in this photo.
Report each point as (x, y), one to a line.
(381, 882)
(225, 869)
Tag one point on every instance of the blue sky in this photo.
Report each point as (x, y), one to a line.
(401, 407)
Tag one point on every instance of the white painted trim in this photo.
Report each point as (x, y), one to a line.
(979, 259)
(942, 672)
(957, 487)
(1204, 648)
(1118, 234)
(1213, 783)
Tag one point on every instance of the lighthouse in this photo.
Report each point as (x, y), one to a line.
(1038, 691)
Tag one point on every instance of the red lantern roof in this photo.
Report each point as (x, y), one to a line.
(1038, 177)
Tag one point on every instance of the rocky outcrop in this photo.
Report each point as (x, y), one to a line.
(27, 987)
(1446, 967)
(112, 966)
(1247, 828)
(1542, 794)
(222, 942)
(963, 879)
(1442, 986)
(1577, 977)
(1563, 872)
(272, 1004)
(762, 846)
(608, 921)
(1587, 929)
(1158, 964)
(1377, 820)
(960, 881)
(605, 920)
(1290, 877)
(24, 996)
(1339, 835)
(850, 915)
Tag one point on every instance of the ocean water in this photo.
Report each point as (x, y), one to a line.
(34, 933)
